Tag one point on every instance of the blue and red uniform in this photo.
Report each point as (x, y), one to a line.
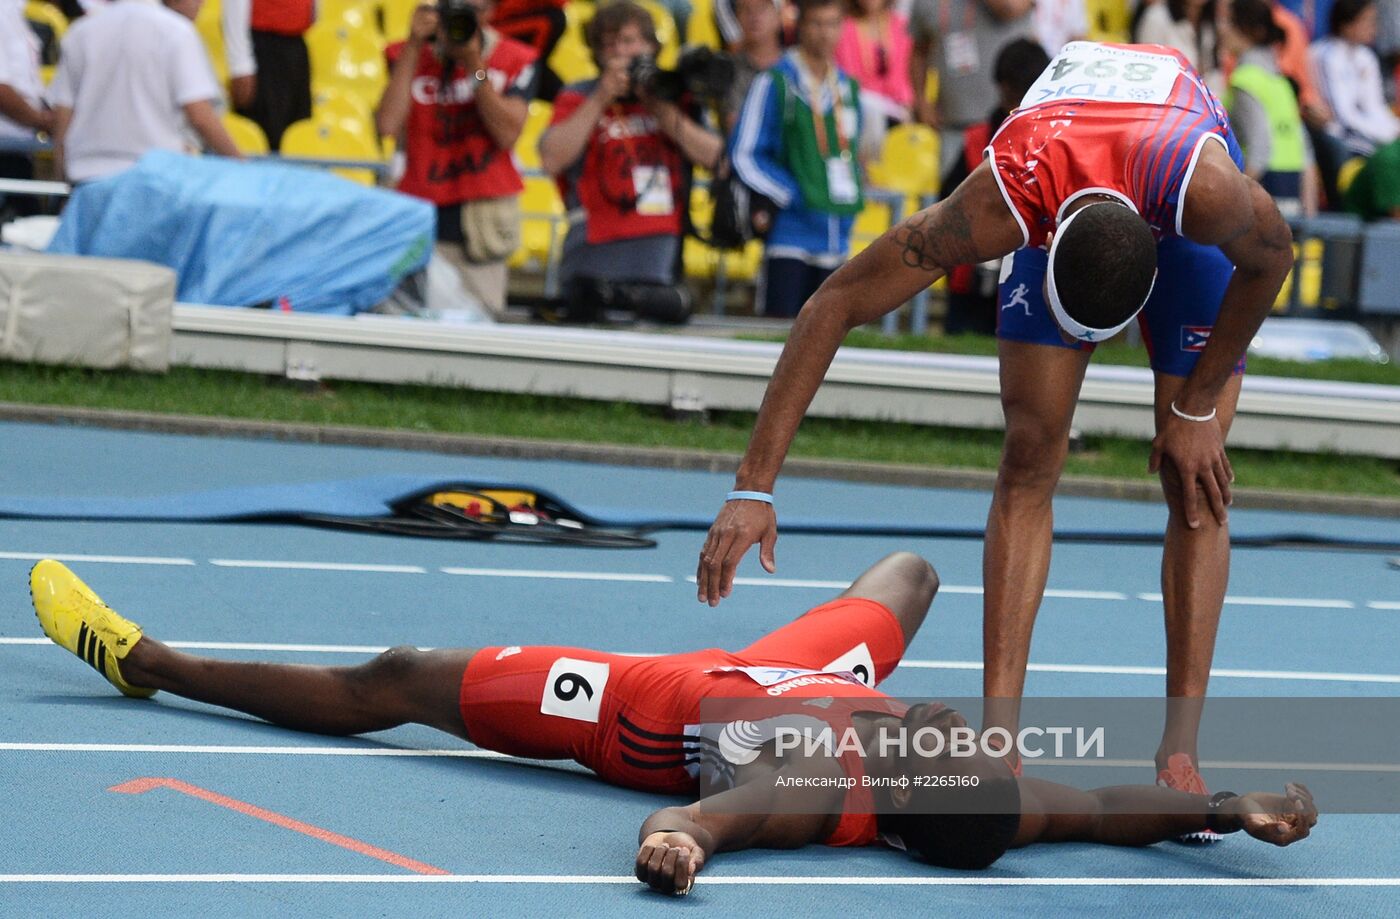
(1129, 121)
(636, 721)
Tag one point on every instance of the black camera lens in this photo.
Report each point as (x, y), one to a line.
(458, 21)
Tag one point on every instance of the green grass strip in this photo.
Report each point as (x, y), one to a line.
(230, 394)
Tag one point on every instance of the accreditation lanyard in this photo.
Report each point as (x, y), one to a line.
(814, 97)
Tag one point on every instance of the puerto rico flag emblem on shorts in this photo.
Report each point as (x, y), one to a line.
(1194, 337)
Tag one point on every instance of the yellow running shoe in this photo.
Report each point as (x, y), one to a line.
(76, 618)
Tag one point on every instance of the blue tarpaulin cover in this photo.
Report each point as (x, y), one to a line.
(244, 234)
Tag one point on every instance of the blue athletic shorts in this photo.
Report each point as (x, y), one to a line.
(1176, 322)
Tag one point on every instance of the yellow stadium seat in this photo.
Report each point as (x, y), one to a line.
(326, 140)
(871, 223)
(334, 103)
(348, 59)
(909, 160)
(542, 225)
(247, 136)
(571, 59)
(700, 28)
(527, 148)
(1109, 20)
(209, 25)
(359, 16)
(397, 15)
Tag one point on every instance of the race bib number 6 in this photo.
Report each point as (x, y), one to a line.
(574, 689)
(1085, 70)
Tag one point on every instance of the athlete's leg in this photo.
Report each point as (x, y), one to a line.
(904, 583)
(1195, 563)
(1195, 571)
(399, 686)
(1039, 388)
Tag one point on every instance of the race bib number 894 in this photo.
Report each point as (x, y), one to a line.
(574, 689)
(1085, 70)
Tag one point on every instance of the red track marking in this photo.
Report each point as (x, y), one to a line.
(140, 786)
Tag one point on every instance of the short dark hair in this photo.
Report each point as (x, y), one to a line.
(1343, 12)
(932, 831)
(1104, 265)
(1019, 64)
(612, 18)
(1254, 19)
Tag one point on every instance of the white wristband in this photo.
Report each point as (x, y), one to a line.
(1180, 414)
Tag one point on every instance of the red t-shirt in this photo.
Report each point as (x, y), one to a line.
(451, 157)
(628, 180)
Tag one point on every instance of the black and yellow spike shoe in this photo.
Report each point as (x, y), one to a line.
(76, 618)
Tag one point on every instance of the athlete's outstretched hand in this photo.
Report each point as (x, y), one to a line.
(1279, 819)
(739, 525)
(1197, 451)
(668, 862)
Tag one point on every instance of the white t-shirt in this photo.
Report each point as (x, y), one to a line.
(127, 72)
(19, 64)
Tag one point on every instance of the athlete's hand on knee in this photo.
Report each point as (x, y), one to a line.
(1278, 819)
(739, 525)
(1197, 451)
(668, 862)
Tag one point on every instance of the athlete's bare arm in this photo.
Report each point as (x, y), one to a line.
(1224, 208)
(676, 842)
(1140, 815)
(972, 225)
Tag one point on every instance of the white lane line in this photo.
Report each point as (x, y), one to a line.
(227, 749)
(561, 575)
(1118, 670)
(1101, 669)
(241, 646)
(943, 588)
(707, 880)
(403, 753)
(1295, 602)
(1222, 765)
(1383, 604)
(1086, 594)
(316, 566)
(104, 559)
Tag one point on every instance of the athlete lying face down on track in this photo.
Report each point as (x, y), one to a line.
(636, 722)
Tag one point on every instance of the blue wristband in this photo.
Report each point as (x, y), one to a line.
(749, 496)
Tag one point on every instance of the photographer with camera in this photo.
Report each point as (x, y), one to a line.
(621, 147)
(458, 96)
(797, 145)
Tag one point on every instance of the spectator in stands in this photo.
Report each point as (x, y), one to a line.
(1374, 192)
(959, 40)
(238, 54)
(1059, 22)
(622, 158)
(796, 144)
(1350, 78)
(22, 111)
(758, 49)
(972, 289)
(459, 107)
(1189, 27)
(129, 80)
(1264, 110)
(281, 91)
(874, 51)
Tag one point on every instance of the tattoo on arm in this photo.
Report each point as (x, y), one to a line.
(936, 239)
